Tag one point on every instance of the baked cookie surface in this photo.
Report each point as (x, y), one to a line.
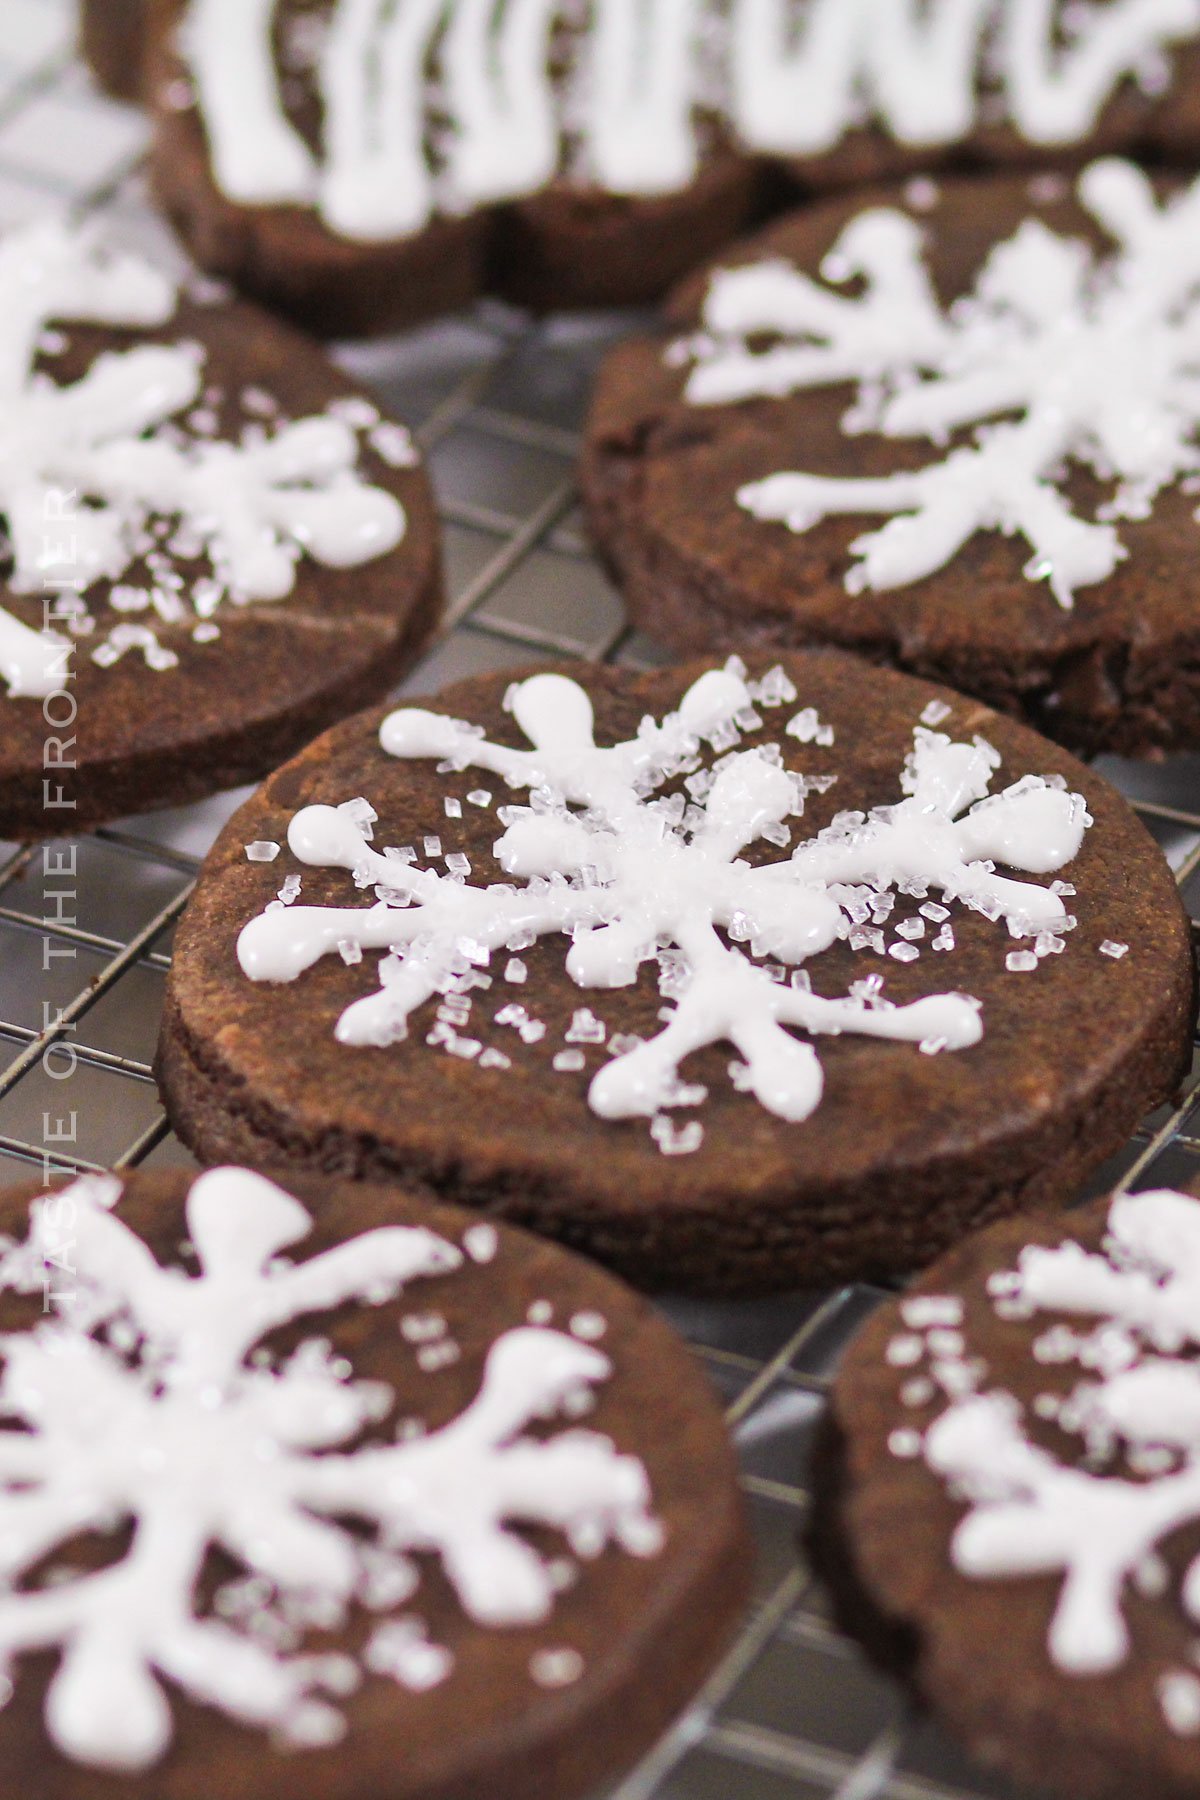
(1013, 1462)
(947, 427)
(216, 544)
(418, 1504)
(647, 1006)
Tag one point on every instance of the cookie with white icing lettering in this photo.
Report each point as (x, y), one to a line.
(214, 544)
(845, 92)
(362, 168)
(327, 1491)
(949, 427)
(1013, 1461)
(736, 979)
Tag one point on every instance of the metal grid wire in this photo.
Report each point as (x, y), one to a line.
(496, 403)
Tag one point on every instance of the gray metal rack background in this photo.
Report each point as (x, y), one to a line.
(497, 404)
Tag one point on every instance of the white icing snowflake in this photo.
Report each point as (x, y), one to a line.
(1099, 1521)
(148, 1399)
(1098, 358)
(631, 878)
(113, 444)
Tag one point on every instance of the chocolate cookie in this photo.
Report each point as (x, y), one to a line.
(362, 174)
(112, 37)
(994, 370)
(328, 1492)
(215, 544)
(1013, 1462)
(373, 977)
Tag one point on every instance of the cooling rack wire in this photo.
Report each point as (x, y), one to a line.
(496, 403)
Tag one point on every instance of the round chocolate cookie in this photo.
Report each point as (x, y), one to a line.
(616, 1005)
(364, 175)
(947, 427)
(215, 544)
(112, 37)
(329, 1492)
(1013, 1462)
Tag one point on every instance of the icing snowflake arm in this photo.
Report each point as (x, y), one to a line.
(1028, 826)
(123, 391)
(732, 1000)
(557, 717)
(444, 916)
(105, 1705)
(459, 1490)
(123, 394)
(238, 1222)
(832, 338)
(1157, 1293)
(995, 487)
(256, 507)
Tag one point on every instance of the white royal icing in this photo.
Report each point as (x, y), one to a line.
(492, 124)
(1128, 1317)
(804, 77)
(630, 878)
(145, 1397)
(1091, 353)
(112, 442)
(385, 165)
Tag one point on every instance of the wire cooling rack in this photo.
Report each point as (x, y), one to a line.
(85, 940)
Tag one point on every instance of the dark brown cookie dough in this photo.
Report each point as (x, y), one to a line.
(573, 245)
(277, 673)
(1121, 671)
(579, 247)
(904, 1153)
(578, 1696)
(978, 1647)
(112, 37)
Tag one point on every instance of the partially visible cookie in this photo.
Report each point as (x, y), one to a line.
(215, 544)
(1009, 1499)
(948, 427)
(731, 994)
(326, 1492)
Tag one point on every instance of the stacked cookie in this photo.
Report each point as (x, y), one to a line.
(797, 962)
